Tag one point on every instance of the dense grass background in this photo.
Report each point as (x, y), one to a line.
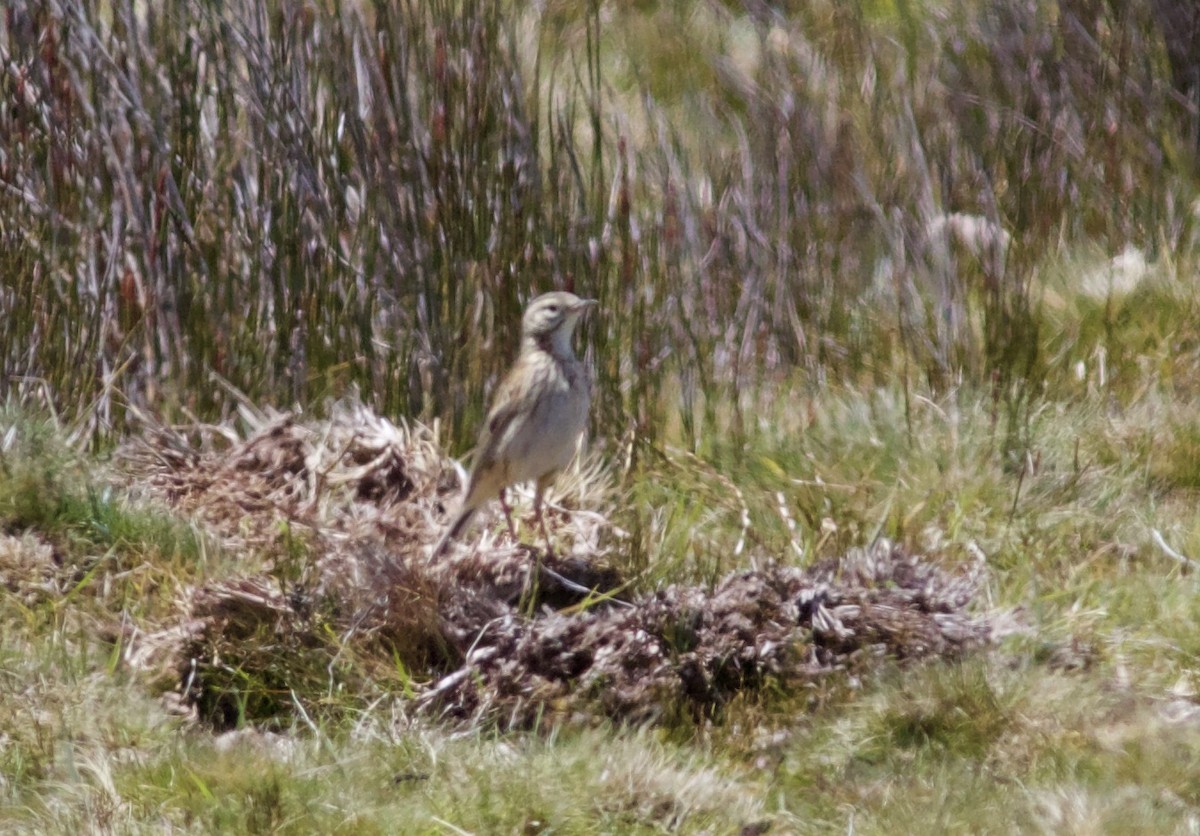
(919, 269)
(207, 197)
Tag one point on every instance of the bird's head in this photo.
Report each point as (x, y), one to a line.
(551, 318)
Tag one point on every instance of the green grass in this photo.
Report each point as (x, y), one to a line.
(1084, 720)
(97, 529)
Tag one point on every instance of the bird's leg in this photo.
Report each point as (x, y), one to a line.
(512, 529)
(541, 518)
(535, 570)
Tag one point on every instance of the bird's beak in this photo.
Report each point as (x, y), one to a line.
(583, 304)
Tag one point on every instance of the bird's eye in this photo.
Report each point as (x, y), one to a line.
(553, 309)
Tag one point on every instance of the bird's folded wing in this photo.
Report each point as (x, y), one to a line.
(510, 407)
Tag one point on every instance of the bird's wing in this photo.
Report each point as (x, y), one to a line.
(508, 406)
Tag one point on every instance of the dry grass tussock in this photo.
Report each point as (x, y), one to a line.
(336, 518)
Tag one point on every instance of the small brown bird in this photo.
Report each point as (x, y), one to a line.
(539, 412)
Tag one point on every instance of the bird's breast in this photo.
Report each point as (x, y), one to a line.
(546, 440)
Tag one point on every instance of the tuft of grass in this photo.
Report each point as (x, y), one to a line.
(955, 712)
(105, 543)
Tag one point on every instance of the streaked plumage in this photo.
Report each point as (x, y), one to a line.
(539, 412)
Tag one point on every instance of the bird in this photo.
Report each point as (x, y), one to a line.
(537, 416)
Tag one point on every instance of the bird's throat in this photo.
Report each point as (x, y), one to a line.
(556, 343)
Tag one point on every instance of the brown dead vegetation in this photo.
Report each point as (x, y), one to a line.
(336, 519)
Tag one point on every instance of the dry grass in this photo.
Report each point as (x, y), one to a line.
(213, 198)
(474, 633)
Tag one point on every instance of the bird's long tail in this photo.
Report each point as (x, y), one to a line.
(452, 531)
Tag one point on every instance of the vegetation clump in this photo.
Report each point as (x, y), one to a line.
(475, 631)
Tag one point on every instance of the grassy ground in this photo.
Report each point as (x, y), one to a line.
(1085, 721)
(789, 364)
